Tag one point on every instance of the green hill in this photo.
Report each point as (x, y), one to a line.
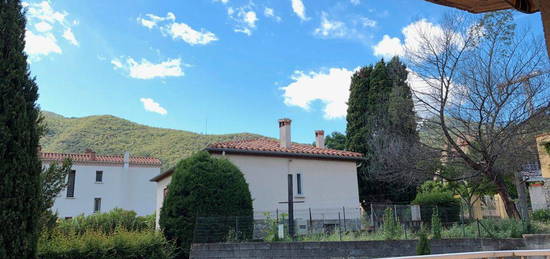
(111, 135)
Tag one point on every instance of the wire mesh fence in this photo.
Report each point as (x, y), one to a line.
(340, 222)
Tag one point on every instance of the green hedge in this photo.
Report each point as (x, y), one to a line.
(447, 206)
(92, 244)
(541, 215)
(107, 222)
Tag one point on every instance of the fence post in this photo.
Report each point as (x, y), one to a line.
(310, 222)
(372, 217)
(236, 228)
(478, 231)
(344, 209)
(339, 227)
(395, 212)
(277, 213)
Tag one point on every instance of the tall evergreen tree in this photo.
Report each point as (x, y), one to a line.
(380, 107)
(20, 165)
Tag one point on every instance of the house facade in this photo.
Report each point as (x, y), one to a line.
(99, 183)
(324, 180)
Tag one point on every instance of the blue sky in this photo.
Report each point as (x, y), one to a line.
(234, 65)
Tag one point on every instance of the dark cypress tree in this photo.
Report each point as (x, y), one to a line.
(20, 165)
(380, 104)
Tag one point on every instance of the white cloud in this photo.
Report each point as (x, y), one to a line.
(331, 28)
(40, 45)
(222, 1)
(152, 106)
(366, 22)
(355, 2)
(269, 12)
(176, 30)
(147, 70)
(388, 47)
(43, 27)
(299, 9)
(48, 25)
(245, 18)
(330, 87)
(413, 41)
(68, 35)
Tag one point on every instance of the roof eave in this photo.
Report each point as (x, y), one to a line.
(162, 175)
(283, 154)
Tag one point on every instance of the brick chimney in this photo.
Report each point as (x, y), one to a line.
(320, 138)
(284, 133)
(90, 153)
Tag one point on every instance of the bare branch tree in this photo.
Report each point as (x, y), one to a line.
(483, 85)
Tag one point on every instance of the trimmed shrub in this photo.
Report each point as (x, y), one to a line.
(447, 206)
(436, 225)
(541, 215)
(93, 244)
(209, 188)
(107, 222)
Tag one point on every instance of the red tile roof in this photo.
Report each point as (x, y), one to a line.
(272, 147)
(89, 157)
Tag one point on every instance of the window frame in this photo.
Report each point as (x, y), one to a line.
(71, 182)
(100, 174)
(97, 204)
(299, 184)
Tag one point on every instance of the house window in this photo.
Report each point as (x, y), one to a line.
(70, 184)
(164, 192)
(299, 184)
(98, 176)
(97, 205)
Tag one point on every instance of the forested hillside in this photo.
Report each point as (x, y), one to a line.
(107, 134)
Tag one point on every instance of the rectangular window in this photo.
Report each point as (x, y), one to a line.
(299, 183)
(98, 176)
(97, 205)
(70, 183)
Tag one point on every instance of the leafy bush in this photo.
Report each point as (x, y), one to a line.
(436, 225)
(448, 206)
(423, 246)
(107, 223)
(93, 244)
(391, 228)
(541, 215)
(204, 186)
(502, 228)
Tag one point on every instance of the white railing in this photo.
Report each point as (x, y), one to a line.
(485, 254)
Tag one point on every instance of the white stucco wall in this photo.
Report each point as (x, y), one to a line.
(328, 185)
(126, 188)
(163, 183)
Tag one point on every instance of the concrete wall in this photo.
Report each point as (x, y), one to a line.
(161, 185)
(353, 249)
(126, 188)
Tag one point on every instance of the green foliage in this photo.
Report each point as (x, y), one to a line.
(19, 135)
(92, 244)
(52, 181)
(106, 223)
(448, 206)
(113, 136)
(489, 228)
(541, 215)
(204, 186)
(336, 140)
(271, 231)
(380, 105)
(423, 246)
(547, 147)
(433, 186)
(391, 227)
(436, 225)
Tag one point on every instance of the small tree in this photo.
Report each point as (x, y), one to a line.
(423, 246)
(391, 228)
(436, 225)
(52, 181)
(204, 186)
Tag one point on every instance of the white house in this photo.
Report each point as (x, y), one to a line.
(99, 183)
(324, 180)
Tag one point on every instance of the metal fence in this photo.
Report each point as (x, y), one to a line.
(313, 221)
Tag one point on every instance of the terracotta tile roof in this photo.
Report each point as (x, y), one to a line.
(272, 147)
(89, 157)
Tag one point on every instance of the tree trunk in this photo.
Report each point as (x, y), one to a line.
(509, 205)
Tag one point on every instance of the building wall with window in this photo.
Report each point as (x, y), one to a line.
(106, 185)
(325, 184)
